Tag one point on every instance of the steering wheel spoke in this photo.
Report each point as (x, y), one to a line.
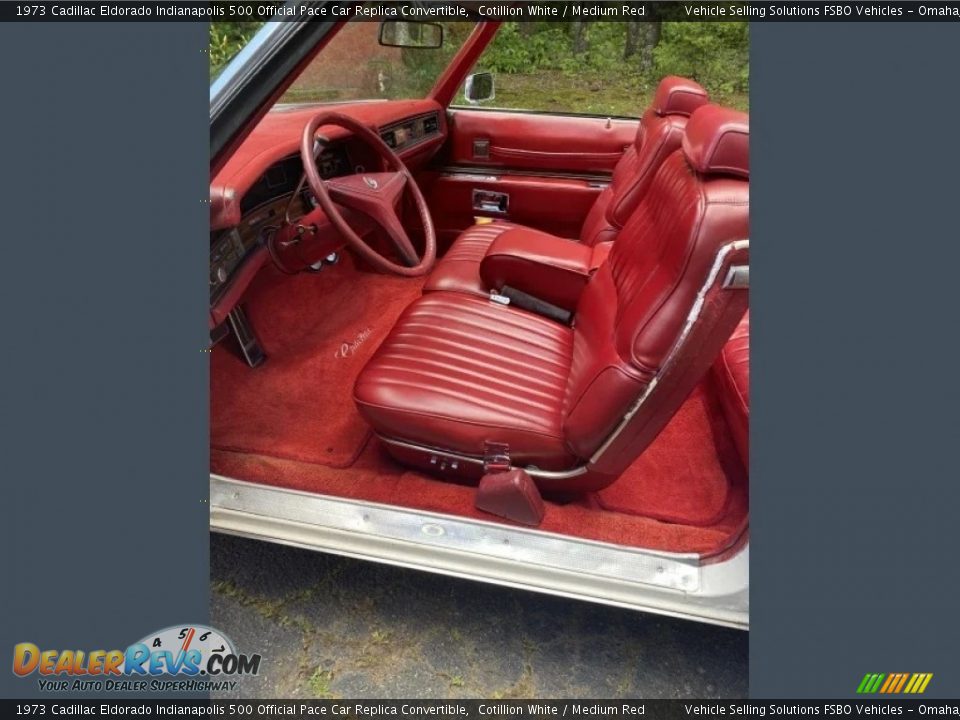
(401, 241)
(367, 189)
(376, 195)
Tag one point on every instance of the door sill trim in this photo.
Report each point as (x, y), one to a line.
(665, 583)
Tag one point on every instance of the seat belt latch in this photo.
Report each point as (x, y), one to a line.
(498, 298)
(496, 457)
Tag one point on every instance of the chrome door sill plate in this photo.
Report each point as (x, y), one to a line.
(665, 583)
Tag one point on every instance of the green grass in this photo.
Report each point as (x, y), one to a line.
(320, 684)
(456, 681)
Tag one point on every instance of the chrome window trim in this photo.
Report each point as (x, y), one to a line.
(249, 61)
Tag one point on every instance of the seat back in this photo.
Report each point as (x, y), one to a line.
(659, 135)
(656, 314)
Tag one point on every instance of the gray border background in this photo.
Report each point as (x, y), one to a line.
(854, 390)
(104, 384)
(104, 419)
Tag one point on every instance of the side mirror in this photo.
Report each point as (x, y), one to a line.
(479, 87)
(403, 34)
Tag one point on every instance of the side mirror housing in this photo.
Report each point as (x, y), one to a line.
(479, 87)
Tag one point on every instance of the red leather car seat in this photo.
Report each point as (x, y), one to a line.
(659, 134)
(460, 374)
(732, 370)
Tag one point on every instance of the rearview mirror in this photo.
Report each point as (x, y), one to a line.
(479, 87)
(403, 34)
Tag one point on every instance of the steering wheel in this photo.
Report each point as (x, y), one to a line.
(376, 195)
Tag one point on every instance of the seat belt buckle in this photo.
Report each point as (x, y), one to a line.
(496, 457)
(499, 298)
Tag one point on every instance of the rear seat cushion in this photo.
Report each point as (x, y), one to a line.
(732, 371)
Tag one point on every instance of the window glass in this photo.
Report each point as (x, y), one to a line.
(354, 66)
(611, 68)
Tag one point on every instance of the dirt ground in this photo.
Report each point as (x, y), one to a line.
(330, 627)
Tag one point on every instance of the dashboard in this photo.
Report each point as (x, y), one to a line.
(264, 207)
(405, 134)
(251, 191)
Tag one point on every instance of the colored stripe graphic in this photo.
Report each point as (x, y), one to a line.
(891, 685)
(870, 683)
(894, 683)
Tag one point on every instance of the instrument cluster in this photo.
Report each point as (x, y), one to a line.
(264, 206)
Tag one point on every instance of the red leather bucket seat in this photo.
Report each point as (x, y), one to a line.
(461, 377)
(659, 134)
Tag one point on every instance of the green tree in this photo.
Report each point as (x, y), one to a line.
(226, 40)
(715, 54)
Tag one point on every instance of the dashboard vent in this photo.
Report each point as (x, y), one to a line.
(389, 137)
(431, 124)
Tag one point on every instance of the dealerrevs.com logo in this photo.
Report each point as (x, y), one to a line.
(178, 658)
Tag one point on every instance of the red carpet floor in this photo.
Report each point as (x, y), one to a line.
(292, 423)
(686, 475)
(318, 331)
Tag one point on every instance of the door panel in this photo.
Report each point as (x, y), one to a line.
(553, 204)
(552, 167)
(536, 141)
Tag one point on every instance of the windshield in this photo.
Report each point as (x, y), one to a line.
(354, 66)
(226, 40)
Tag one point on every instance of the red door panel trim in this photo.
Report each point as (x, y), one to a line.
(552, 157)
(488, 171)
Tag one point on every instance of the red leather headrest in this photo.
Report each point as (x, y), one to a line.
(717, 141)
(678, 96)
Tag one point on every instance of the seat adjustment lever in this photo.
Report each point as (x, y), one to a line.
(496, 457)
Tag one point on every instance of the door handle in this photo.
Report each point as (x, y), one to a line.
(490, 201)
